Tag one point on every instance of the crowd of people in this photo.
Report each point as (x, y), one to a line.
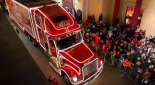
(126, 48)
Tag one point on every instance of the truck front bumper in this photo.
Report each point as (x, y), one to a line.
(90, 78)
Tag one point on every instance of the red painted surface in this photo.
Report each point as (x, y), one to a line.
(56, 11)
(53, 80)
(80, 53)
(136, 13)
(116, 10)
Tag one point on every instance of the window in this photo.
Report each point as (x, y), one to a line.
(60, 18)
(38, 20)
(69, 41)
(51, 42)
(129, 15)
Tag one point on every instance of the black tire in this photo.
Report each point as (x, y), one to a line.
(34, 42)
(66, 79)
(45, 51)
(29, 37)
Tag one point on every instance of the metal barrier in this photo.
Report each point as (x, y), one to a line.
(135, 74)
(108, 57)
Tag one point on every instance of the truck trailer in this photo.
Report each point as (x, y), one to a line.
(50, 26)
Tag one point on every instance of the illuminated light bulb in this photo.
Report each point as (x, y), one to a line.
(75, 79)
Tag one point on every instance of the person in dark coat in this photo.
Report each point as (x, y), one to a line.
(100, 18)
(93, 18)
(116, 20)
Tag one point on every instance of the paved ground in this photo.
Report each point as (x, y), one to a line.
(111, 76)
(17, 67)
(30, 70)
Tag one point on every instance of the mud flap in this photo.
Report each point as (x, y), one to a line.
(54, 66)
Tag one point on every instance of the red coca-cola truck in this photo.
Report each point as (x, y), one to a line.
(49, 25)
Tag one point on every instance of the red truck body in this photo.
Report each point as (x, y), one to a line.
(55, 30)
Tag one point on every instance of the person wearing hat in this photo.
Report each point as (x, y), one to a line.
(53, 80)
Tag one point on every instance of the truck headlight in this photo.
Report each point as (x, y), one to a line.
(74, 79)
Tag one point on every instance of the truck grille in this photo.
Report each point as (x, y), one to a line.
(89, 68)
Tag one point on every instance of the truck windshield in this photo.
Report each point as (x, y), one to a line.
(69, 41)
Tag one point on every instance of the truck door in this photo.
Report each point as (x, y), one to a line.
(40, 31)
(52, 48)
(53, 51)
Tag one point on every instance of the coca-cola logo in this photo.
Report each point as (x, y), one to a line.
(63, 24)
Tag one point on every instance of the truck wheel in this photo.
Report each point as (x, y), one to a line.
(29, 37)
(65, 77)
(34, 42)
